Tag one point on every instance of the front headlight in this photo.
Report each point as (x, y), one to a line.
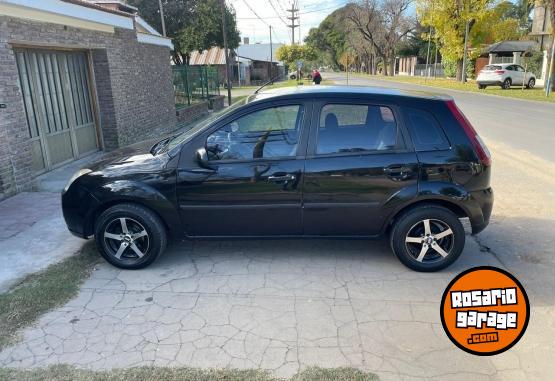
(75, 176)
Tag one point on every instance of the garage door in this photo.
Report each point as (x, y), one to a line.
(58, 106)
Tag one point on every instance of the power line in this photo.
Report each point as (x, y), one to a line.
(277, 13)
(300, 13)
(252, 10)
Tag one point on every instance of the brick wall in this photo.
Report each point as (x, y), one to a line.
(217, 102)
(191, 113)
(133, 84)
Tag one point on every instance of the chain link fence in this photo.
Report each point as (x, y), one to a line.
(194, 83)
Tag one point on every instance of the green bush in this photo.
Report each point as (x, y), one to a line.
(450, 68)
(533, 64)
(470, 66)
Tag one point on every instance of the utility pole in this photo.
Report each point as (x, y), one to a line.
(293, 25)
(162, 17)
(224, 30)
(463, 76)
(271, 56)
(550, 76)
(428, 53)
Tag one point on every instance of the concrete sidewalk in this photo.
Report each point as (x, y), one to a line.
(33, 235)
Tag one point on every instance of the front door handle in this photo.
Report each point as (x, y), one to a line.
(282, 178)
(398, 172)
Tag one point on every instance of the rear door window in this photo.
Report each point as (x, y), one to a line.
(425, 131)
(346, 128)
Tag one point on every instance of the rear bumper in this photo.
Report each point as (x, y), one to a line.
(489, 82)
(479, 208)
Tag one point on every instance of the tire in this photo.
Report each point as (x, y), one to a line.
(146, 234)
(411, 225)
(481, 87)
(506, 84)
(531, 83)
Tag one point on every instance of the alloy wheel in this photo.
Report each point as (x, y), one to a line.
(126, 238)
(430, 240)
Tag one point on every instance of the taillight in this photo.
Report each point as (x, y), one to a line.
(500, 72)
(479, 146)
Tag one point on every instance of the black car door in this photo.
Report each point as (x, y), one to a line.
(249, 183)
(357, 166)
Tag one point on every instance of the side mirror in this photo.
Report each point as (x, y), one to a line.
(202, 157)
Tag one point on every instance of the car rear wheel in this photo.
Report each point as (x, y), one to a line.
(130, 236)
(481, 87)
(427, 238)
(531, 83)
(506, 84)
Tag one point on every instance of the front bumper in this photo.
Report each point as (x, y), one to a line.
(77, 206)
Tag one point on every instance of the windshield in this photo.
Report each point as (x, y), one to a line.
(492, 67)
(191, 131)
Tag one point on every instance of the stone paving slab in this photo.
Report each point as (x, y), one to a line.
(256, 304)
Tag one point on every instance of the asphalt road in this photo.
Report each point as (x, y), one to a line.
(524, 125)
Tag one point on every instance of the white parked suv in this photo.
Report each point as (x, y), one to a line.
(505, 75)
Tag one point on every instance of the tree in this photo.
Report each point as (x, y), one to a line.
(550, 4)
(290, 54)
(383, 23)
(329, 38)
(346, 60)
(416, 43)
(449, 19)
(503, 22)
(192, 24)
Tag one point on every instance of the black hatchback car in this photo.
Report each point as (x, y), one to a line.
(316, 161)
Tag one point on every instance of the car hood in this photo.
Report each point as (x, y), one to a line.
(134, 158)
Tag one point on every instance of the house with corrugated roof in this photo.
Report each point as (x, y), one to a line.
(264, 63)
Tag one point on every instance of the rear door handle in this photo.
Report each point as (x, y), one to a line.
(282, 178)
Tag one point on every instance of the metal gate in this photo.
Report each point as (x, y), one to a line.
(57, 99)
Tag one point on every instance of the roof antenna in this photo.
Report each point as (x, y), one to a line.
(271, 81)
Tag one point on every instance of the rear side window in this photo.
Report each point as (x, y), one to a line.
(346, 128)
(492, 67)
(426, 133)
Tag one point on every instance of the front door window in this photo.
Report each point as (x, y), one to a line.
(268, 133)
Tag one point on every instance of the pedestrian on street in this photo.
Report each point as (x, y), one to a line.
(316, 77)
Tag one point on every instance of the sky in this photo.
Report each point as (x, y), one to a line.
(250, 13)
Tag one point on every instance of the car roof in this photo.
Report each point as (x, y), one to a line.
(502, 64)
(345, 91)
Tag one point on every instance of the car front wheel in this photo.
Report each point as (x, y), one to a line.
(130, 236)
(427, 238)
(531, 83)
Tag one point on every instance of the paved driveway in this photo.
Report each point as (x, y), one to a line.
(278, 306)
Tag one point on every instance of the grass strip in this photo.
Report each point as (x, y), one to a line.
(536, 94)
(40, 292)
(66, 372)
